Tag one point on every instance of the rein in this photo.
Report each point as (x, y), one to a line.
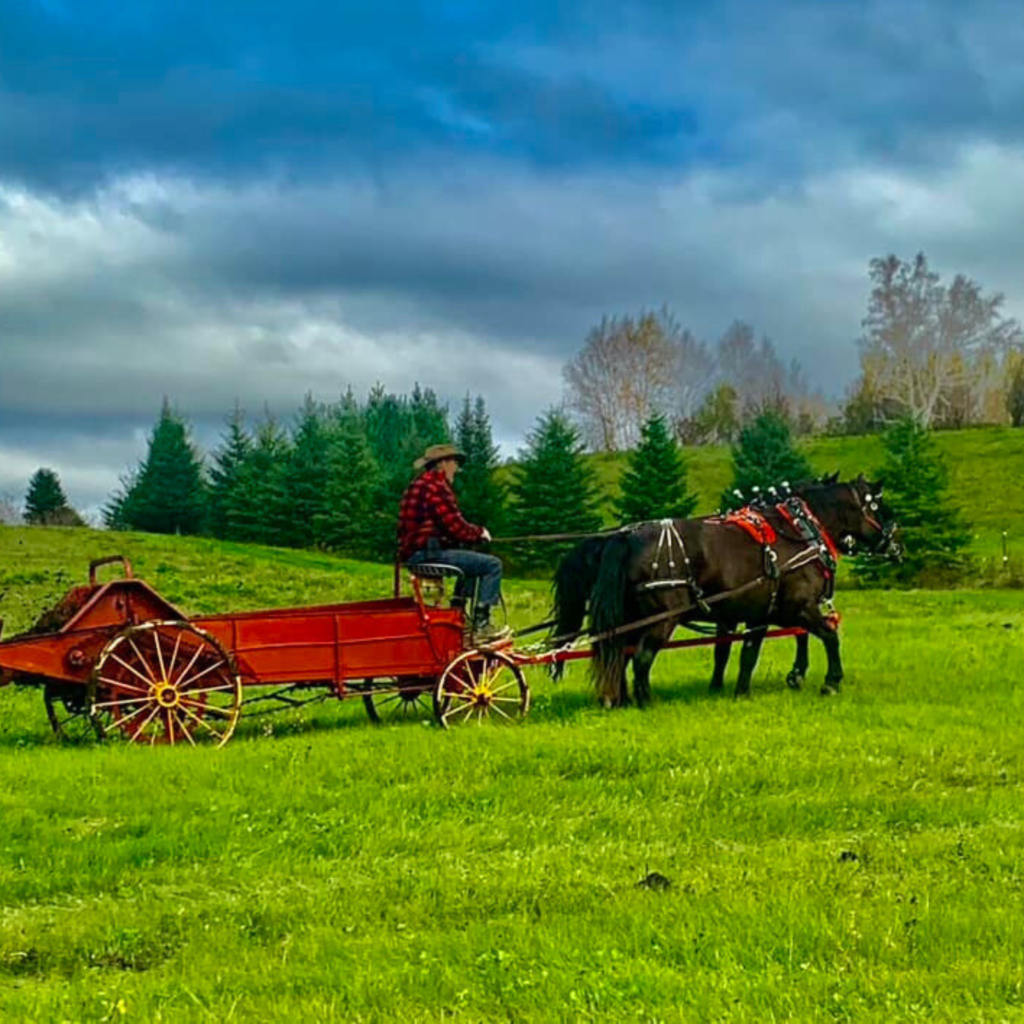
(557, 536)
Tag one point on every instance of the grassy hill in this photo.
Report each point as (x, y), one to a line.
(856, 858)
(986, 470)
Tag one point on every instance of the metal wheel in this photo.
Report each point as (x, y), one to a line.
(67, 708)
(165, 682)
(478, 685)
(407, 700)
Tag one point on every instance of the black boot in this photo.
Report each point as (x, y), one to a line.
(482, 631)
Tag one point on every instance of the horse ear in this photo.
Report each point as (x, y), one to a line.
(833, 479)
(860, 478)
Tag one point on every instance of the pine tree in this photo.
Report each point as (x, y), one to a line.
(305, 476)
(932, 531)
(398, 430)
(263, 502)
(350, 522)
(654, 481)
(118, 512)
(46, 503)
(481, 495)
(765, 456)
(554, 490)
(225, 476)
(169, 494)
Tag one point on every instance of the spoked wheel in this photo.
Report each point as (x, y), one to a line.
(478, 685)
(67, 708)
(165, 682)
(408, 700)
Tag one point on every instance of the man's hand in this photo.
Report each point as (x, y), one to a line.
(486, 535)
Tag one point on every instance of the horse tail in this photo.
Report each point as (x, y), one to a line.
(608, 612)
(574, 579)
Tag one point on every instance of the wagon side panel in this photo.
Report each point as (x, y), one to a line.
(332, 645)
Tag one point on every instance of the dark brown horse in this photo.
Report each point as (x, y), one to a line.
(711, 571)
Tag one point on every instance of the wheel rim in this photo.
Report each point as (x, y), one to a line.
(403, 701)
(165, 682)
(67, 708)
(481, 685)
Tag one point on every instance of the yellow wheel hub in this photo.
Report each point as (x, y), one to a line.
(165, 694)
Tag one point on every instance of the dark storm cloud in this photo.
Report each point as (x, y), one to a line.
(92, 91)
(217, 204)
(301, 85)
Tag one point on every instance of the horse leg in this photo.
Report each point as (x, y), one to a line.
(722, 652)
(623, 701)
(797, 673)
(834, 674)
(643, 659)
(825, 630)
(748, 660)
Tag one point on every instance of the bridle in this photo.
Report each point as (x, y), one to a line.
(868, 506)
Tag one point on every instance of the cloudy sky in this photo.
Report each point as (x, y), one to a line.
(224, 203)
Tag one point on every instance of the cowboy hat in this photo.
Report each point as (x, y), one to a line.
(438, 452)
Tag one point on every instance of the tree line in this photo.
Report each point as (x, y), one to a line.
(332, 479)
(333, 482)
(942, 354)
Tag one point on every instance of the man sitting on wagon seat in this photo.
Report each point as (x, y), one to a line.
(431, 528)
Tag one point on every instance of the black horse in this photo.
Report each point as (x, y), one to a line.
(662, 574)
(576, 576)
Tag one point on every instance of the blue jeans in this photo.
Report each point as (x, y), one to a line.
(475, 565)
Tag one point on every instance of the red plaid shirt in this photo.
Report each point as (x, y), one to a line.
(429, 509)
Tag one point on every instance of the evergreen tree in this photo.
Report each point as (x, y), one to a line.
(168, 495)
(305, 476)
(481, 495)
(932, 531)
(351, 522)
(429, 418)
(654, 481)
(554, 491)
(225, 478)
(764, 456)
(398, 429)
(263, 501)
(46, 503)
(117, 513)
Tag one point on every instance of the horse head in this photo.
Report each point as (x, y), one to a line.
(856, 514)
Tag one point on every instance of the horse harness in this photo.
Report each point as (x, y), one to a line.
(817, 547)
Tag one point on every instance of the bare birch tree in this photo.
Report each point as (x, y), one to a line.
(924, 343)
(624, 373)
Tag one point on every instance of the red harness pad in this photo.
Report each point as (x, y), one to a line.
(753, 523)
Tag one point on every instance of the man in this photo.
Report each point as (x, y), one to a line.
(432, 529)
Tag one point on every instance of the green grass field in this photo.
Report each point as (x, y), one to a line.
(852, 858)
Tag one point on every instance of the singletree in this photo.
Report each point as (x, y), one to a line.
(654, 481)
(168, 493)
(46, 503)
(932, 532)
(764, 456)
(625, 371)
(924, 341)
(481, 494)
(554, 490)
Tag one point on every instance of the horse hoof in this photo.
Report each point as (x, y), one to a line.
(794, 680)
(829, 689)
